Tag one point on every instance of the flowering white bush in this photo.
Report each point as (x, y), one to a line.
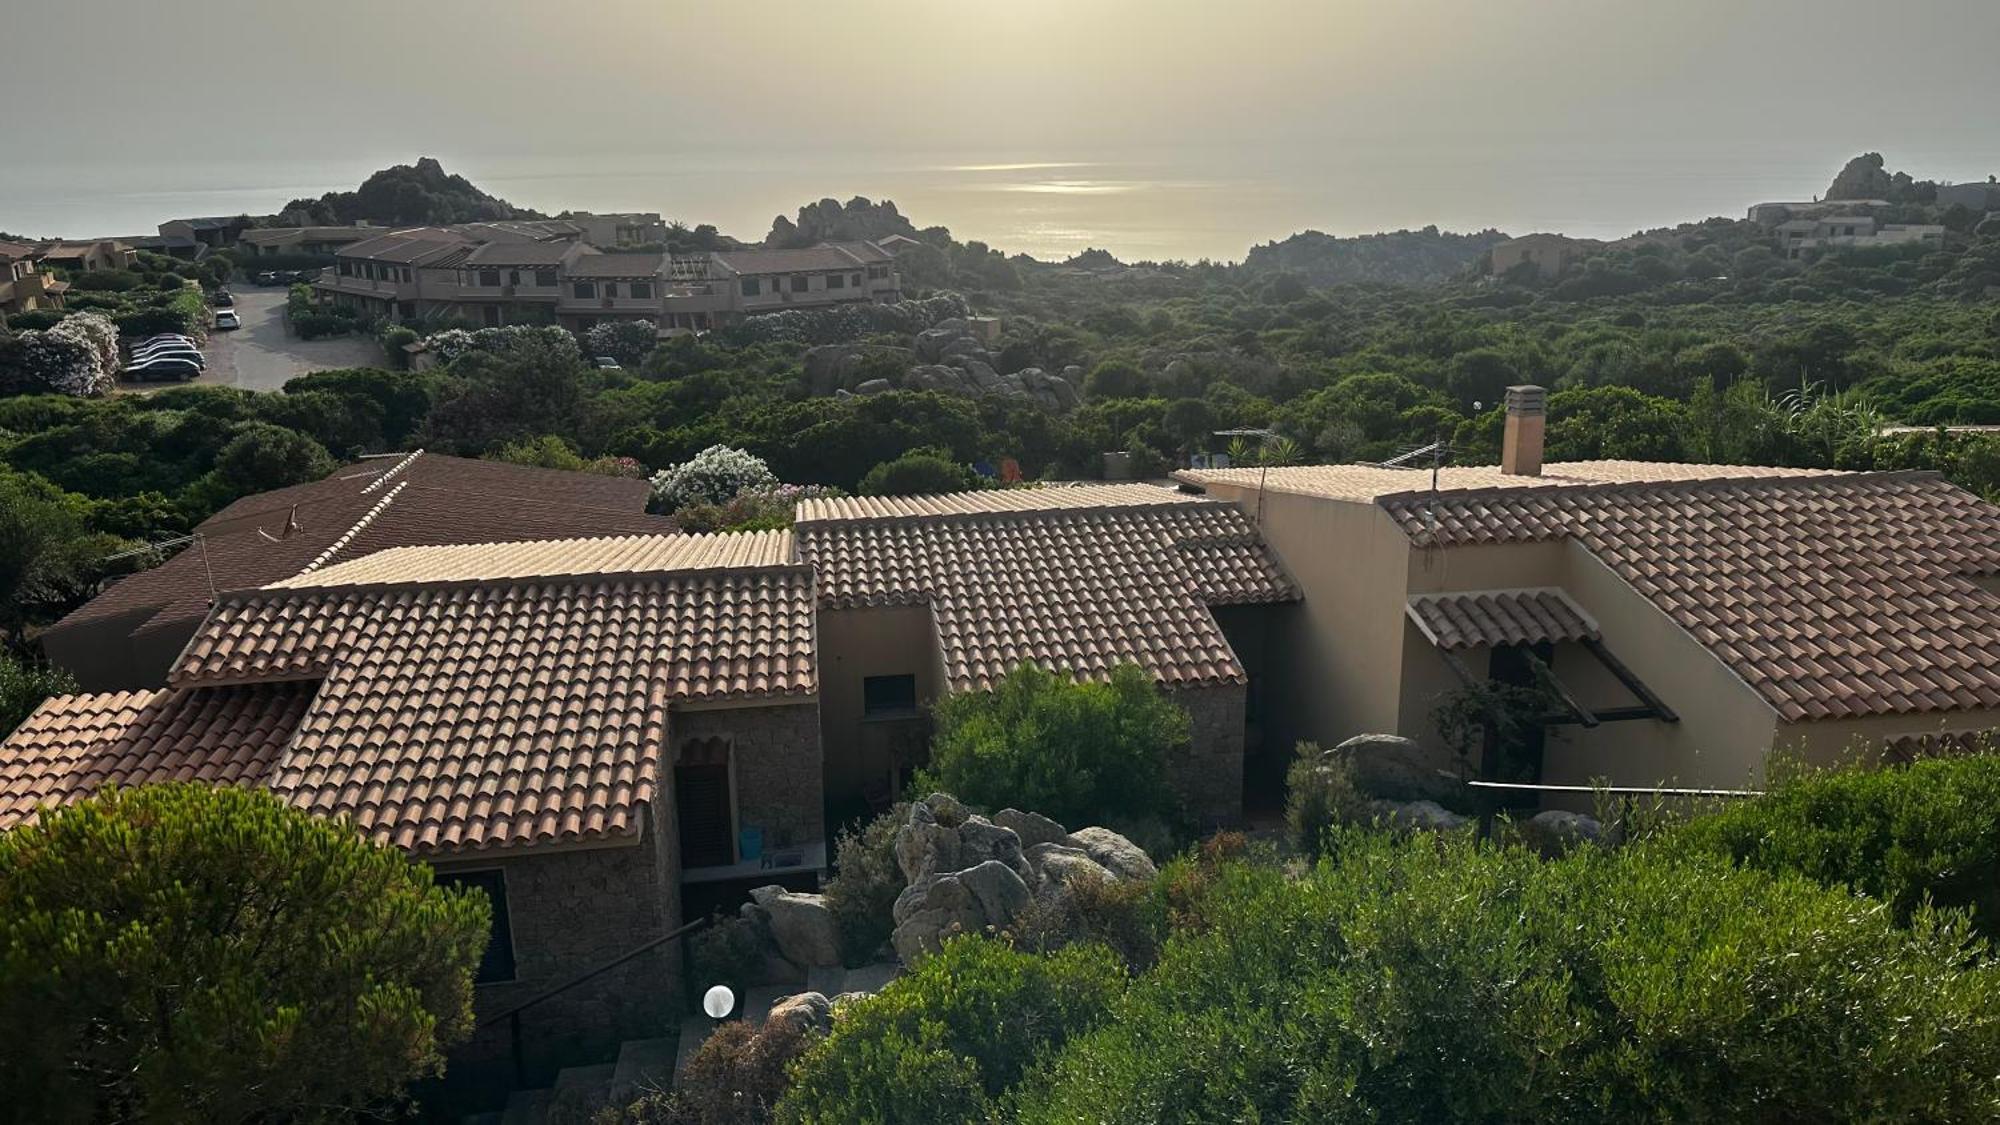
(716, 475)
(76, 357)
(449, 344)
(627, 341)
(453, 343)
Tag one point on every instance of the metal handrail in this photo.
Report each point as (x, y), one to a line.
(513, 1015)
(589, 974)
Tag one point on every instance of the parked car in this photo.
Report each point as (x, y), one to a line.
(167, 337)
(606, 363)
(142, 358)
(222, 299)
(226, 319)
(269, 277)
(165, 347)
(163, 367)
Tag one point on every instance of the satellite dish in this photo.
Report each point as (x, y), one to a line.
(718, 1002)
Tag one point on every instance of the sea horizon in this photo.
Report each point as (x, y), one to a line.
(1184, 204)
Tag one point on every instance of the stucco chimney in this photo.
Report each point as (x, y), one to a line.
(1521, 450)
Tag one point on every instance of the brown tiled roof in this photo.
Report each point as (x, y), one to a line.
(519, 254)
(485, 562)
(826, 256)
(407, 500)
(511, 711)
(74, 745)
(1367, 483)
(618, 265)
(409, 247)
(1833, 596)
(1476, 618)
(1073, 579)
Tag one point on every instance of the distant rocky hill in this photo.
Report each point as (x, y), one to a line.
(859, 219)
(1405, 257)
(406, 195)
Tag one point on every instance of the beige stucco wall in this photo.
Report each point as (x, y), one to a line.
(1831, 742)
(855, 644)
(1342, 647)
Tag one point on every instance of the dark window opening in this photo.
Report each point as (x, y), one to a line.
(888, 696)
(586, 289)
(497, 964)
(643, 290)
(489, 279)
(545, 278)
(701, 797)
(800, 282)
(750, 287)
(836, 281)
(1514, 666)
(610, 289)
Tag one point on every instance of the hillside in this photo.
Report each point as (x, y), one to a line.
(406, 194)
(1404, 257)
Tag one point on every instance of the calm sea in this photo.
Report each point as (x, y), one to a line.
(1146, 205)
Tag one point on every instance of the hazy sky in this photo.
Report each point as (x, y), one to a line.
(1599, 116)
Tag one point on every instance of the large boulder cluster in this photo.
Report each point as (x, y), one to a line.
(963, 873)
(968, 873)
(948, 358)
(1405, 785)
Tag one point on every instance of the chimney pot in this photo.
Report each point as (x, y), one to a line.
(1521, 449)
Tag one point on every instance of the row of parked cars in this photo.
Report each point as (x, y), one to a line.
(166, 356)
(284, 277)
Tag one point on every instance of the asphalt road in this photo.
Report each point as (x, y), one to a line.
(262, 355)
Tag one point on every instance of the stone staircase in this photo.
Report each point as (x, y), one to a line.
(579, 1091)
(649, 1064)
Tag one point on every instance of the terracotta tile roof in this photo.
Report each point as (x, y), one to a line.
(1484, 618)
(824, 257)
(1041, 499)
(1833, 596)
(624, 554)
(412, 499)
(618, 265)
(486, 712)
(1367, 483)
(520, 254)
(1076, 579)
(74, 745)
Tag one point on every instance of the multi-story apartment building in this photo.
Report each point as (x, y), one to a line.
(23, 286)
(1830, 232)
(538, 273)
(82, 257)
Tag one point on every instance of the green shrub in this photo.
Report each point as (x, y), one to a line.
(735, 1078)
(919, 472)
(1929, 831)
(727, 952)
(1422, 979)
(1319, 795)
(105, 281)
(23, 687)
(186, 953)
(395, 338)
(865, 884)
(1076, 752)
(943, 1042)
(1124, 916)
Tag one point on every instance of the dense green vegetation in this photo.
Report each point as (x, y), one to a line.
(1081, 753)
(1922, 834)
(404, 195)
(191, 953)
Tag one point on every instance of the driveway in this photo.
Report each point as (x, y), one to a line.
(262, 355)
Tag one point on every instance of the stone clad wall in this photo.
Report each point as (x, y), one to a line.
(777, 765)
(570, 911)
(1209, 774)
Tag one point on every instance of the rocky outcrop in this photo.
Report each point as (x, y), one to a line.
(1554, 831)
(807, 1011)
(1428, 816)
(1398, 769)
(968, 873)
(800, 925)
(949, 358)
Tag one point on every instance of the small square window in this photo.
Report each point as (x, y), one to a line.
(545, 278)
(497, 964)
(888, 696)
(800, 282)
(643, 290)
(836, 281)
(750, 287)
(489, 279)
(586, 289)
